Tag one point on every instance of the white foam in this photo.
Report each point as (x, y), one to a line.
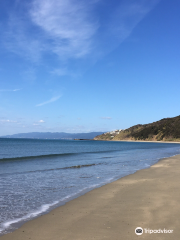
(45, 207)
(42, 209)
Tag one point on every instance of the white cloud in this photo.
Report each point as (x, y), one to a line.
(41, 121)
(67, 23)
(108, 118)
(73, 29)
(7, 121)
(53, 99)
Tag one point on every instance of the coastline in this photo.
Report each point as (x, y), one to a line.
(148, 198)
(144, 141)
(136, 141)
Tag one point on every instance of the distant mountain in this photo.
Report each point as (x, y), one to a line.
(167, 129)
(54, 135)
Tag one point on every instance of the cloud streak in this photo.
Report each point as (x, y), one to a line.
(38, 123)
(7, 121)
(41, 121)
(53, 99)
(106, 118)
(121, 22)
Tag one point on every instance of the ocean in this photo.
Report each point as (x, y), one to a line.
(39, 175)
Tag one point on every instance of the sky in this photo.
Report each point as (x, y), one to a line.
(82, 66)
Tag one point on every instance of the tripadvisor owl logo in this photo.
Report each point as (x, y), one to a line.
(138, 231)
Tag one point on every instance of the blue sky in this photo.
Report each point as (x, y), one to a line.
(81, 66)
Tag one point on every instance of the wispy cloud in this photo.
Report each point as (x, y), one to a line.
(10, 90)
(106, 118)
(41, 121)
(121, 22)
(67, 23)
(7, 121)
(73, 29)
(53, 99)
(37, 123)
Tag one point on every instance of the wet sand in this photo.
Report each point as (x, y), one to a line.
(149, 198)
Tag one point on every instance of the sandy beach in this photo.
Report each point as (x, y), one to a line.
(149, 199)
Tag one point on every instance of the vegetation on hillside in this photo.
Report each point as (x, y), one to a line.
(167, 129)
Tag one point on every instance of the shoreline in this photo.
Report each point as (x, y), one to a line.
(148, 198)
(136, 141)
(145, 141)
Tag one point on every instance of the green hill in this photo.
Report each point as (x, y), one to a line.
(167, 129)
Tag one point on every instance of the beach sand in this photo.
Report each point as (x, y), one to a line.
(149, 198)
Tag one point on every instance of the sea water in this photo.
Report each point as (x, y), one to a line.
(39, 175)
